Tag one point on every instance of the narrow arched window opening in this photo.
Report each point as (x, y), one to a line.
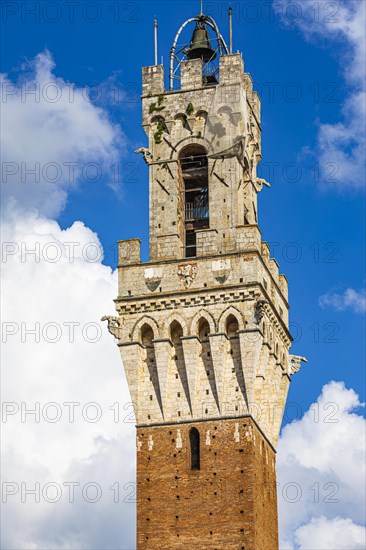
(146, 335)
(194, 439)
(176, 333)
(194, 170)
(232, 326)
(203, 329)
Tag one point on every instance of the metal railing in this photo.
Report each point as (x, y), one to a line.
(193, 212)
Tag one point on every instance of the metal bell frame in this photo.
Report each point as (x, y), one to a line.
(205, 20)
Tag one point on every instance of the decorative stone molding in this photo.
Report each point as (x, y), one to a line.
(187, 273)
(152, 277)
(221, 270)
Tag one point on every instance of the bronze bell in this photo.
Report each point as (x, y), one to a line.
(200, 46)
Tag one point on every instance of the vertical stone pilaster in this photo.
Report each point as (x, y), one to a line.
(191, 349)
(279, 406)
(163, 352)
(218, 345)
(250, 347)
(131, 354)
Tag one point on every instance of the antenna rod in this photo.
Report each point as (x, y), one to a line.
(156, 40)
(230, 29)
(201, 11)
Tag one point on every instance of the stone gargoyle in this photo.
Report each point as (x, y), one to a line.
(146, 154)
(260, 182)
(259, 310)
(295, 363)
(114, 326)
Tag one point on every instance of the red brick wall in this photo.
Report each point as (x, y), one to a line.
(230, 503)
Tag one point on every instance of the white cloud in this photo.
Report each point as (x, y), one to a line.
(50, 127)
(334, 534)
(349, 299)
(73, 369)
(59, 292)
(340, 146)
(321, 473)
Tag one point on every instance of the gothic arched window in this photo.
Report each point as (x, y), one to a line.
(194, 439)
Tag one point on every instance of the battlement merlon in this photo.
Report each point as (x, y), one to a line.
(153, 80)
(129, 252)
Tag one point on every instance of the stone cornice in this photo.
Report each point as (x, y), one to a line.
(208, 257)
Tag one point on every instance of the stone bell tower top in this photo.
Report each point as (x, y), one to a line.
(205, 137)
(203, 326)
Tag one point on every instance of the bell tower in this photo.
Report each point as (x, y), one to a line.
(202, 327)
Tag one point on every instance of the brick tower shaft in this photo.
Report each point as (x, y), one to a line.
(230, 502)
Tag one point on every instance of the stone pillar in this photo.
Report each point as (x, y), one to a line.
(191, 74)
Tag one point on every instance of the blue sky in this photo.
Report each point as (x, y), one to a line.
(305, 66)
(300, 84)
